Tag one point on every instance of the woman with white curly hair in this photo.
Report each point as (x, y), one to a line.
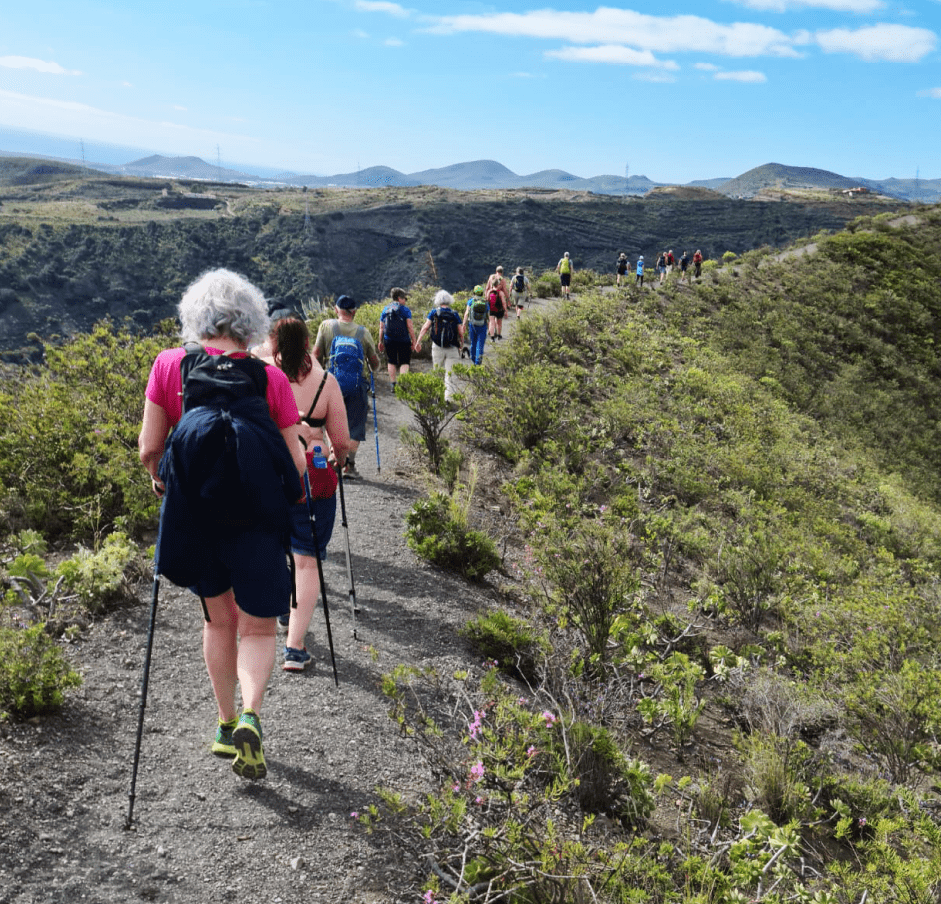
(244, 580)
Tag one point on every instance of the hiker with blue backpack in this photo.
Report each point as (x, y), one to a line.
(396, 335)
(228, 475)
(476, 319)
(347, 350)
(322, 413)
(447, 337)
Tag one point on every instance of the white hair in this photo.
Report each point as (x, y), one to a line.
(222, 303)
(442, 297)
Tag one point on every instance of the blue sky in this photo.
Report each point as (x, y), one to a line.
(676, 93)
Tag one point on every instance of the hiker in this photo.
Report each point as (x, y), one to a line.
(498, 296)
(662, 266)
(447, 337)
(684, 266)
(671, 261)
(620, 267)
(697, 264)
(565, 268)
(240, 571)
(347, 350)
(476, 317)
(396, 335)
(320, 407)
(519, 291)
(639, 279)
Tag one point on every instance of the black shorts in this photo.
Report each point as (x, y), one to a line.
(399, 353)
(566, 278)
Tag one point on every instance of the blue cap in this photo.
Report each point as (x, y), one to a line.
(345, 303)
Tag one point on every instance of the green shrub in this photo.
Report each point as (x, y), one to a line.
(68, 447)
(34, 673)
(424, 395)
(437, 531)
(509, 641)
(105, 576)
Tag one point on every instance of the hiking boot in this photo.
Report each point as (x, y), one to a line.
(296, 660)
(222, 745)
(349, 471)
(249, 759)
(393, 388)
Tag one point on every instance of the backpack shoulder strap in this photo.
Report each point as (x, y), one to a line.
(313, 404)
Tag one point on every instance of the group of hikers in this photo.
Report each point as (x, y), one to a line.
(666, 263)
(249, 429)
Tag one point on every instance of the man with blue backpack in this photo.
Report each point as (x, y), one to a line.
(347, 350)
(396, 335)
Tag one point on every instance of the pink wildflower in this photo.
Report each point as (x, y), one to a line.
(477, 771)
(550, 718)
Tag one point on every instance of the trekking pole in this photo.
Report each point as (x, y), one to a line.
(323, 587)
(349, 555)
(145, 680)
(375, 419)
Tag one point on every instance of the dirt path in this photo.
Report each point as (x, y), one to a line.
(201, 834)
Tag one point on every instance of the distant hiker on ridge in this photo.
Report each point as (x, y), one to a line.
(519, 291)
(222, 538)
(476, 317)
(620, 267)
(565, 268)
(639, 279)
(662, 266)
(697, 263)
(397, 335)
(684, 266)
(498, 295)
(347, 350)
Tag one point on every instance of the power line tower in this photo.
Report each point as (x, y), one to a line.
(219, 161)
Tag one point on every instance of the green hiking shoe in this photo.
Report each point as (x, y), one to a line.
(222, 745)
(249, 759)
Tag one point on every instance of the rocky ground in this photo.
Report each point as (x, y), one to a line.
(200, 833)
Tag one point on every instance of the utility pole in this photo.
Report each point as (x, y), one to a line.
(219, 162)
(84, 168)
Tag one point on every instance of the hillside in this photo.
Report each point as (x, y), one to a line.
(705, 672)
(76, 250)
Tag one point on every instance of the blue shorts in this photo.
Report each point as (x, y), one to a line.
(254, 565)
(356, 405)
(302, 540)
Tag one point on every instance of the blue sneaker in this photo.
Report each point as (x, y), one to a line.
(296, 660)
(249, 759)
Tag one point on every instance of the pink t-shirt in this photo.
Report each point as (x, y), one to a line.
(165, 388)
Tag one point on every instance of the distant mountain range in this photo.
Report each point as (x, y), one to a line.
(761, 182)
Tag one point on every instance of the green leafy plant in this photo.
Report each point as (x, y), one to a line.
(437, 530)
(34, 673)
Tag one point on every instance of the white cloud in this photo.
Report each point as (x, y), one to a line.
(842, 6)
(362, 35)
(632, 29)
(658, 77)
(19, 62)
(744, 76)
(34, 113)
(934, 93)
(892, 43)
(394, 42)
(707, 67)
(178, 107)
(611, 53)
(381, 6)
